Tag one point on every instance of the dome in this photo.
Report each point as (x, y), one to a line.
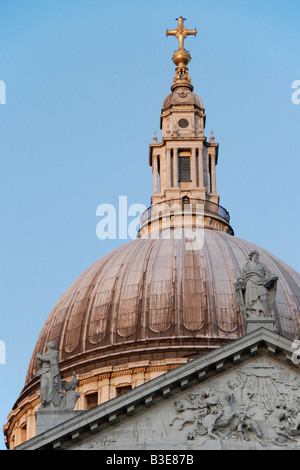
(156, 303)
(182, 96)
(154, 299)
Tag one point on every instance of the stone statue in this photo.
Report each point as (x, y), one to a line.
(48, 371)
(54, 392)
(71, 396)
(256, 289)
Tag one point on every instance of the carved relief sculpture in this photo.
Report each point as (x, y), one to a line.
(256, 406)
(259, 405)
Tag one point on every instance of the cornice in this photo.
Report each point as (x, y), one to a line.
(152, 393)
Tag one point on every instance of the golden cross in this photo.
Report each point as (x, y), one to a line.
(181, 32)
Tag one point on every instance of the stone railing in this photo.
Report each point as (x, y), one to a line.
(184, 206)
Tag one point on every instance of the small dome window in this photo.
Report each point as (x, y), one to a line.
(183, 123)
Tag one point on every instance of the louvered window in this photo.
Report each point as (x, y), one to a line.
(184, 169)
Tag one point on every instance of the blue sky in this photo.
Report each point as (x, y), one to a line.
(85, 82)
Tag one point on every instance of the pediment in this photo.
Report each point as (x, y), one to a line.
(245, 395)
(255, 405)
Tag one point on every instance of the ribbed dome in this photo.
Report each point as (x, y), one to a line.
(182, 96)
(154, 298)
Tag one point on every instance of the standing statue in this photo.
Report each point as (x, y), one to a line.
(53, 391)
(48, 371)
(256, 288)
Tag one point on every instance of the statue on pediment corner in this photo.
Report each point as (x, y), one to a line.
(55, 393)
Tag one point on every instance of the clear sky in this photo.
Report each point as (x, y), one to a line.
(85, 81)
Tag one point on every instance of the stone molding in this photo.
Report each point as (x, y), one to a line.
(261, 342)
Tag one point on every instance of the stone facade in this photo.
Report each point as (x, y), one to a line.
(104, 385)
(245, 395)
(256, 406)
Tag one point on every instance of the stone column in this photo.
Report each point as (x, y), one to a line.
(18, 435)
(31, 424)
(105, 388)
(139, 376)
(81, 402)
(175, 164)
(200, 168)
(169, 174)
(208, 173)
(193, 168)
(213, 172)
(155, 174)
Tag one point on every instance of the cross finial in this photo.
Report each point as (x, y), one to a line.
(181, 32)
